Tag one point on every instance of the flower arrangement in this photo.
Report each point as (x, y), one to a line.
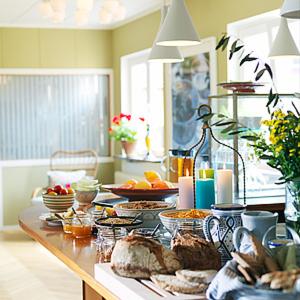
(122, 128)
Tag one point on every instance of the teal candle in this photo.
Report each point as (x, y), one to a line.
(205, 193)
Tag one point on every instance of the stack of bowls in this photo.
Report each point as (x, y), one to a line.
(86, 197)
(58, 203)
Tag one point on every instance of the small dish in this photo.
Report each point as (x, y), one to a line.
(103, 222)
(50, 220)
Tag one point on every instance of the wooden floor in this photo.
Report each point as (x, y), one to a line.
(29, 272)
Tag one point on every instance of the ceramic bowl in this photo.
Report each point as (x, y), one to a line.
(59, 203)
(85, 198)
(149, 215)
(188, 224)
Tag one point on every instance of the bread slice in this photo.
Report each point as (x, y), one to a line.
(196, 276)
(172, 284)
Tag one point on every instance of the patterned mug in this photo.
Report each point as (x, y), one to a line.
(219, 227)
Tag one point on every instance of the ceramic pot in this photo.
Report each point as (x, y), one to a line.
(129, 147)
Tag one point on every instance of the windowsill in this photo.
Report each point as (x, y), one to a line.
(43, 162)
(140, 159)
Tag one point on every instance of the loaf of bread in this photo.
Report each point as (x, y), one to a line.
(139, 257)
(196, 253)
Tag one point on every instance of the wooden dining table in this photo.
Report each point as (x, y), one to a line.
(80, 255)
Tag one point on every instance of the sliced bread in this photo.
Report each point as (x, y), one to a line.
(172, 284)
(196, 276)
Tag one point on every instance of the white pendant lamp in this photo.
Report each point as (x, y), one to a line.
(291, 9)
(161, 53)
(178, 28)
(284, 44)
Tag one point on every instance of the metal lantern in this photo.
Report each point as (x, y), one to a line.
(204, 111)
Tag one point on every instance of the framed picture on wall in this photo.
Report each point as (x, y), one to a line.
(188, 85)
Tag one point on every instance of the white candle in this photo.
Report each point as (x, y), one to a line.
(224, 186)
(186, 192)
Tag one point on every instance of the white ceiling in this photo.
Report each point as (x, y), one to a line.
(24, 13)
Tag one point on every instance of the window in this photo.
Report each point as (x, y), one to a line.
(258, 34)
(143, 96)
(42, 113)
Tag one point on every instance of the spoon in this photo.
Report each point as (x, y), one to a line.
(58, 216)
(136, 217)
(155, 230)
(75, 213)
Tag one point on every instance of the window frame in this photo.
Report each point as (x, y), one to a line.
(63, 71)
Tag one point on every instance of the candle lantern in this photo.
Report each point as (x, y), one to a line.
(204, 185)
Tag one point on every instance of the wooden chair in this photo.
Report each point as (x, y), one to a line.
(75, 160)
(62, 160)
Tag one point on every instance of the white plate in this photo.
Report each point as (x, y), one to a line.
(54, 222)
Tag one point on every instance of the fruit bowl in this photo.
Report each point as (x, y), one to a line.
(58, 203)
(142, 194)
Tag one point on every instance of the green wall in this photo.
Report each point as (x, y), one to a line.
(210, 18)
(48, 48)
(55, 48)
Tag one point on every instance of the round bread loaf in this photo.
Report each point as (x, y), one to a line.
(196, 253)
(139, 257)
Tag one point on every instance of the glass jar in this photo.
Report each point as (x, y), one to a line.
(81, 226)
(107, 238)
(292, 205)
(67, 225)
(185, 163)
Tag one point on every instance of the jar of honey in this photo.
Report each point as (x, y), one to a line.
(82, 226)
(67, 225)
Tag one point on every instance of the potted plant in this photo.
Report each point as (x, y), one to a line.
(279, 141)
(122, 129)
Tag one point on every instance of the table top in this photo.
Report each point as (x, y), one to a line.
(79, 255)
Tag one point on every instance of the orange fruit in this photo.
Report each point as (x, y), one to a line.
(151, 176)
(144, 185)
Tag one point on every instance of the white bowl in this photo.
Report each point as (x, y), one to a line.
(150, 217)
(86, 197)
(188, 224)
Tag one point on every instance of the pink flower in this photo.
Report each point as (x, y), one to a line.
(68, 185)
(122, 115)
(115, 119)
(128, 117)
(142, 119)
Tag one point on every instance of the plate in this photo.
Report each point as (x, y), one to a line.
(141, 194)
(50, 220)
(240, 87)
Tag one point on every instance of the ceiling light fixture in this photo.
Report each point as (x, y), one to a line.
(284, 44)
(161, 53)
(45, 9)
(291, 9)
(178, 28)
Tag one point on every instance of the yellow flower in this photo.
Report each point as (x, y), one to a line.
(279, 148)
(299, 144)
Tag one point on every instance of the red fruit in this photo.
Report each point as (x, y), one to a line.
(63, 192)
(58, 188)
(49, 190)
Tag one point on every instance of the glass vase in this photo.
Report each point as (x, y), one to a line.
(292, 205)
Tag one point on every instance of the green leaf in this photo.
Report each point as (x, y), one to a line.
(266, 157)
(276, 100)
(229, 128)
(260, 74)
(218, 122)
(256, 68)
(297, 111)
(251, 138)
(221, 42)
(226, 123)
(269, 70)
(225, 43)
(271, 97)
(221, 116)
(247, 58)
(238, 131)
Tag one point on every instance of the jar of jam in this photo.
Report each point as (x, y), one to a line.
(81, 226)
(67, 225)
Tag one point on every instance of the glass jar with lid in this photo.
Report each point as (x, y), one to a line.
(106, 240)
(81, 226)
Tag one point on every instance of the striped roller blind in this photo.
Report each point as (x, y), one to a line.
(40, 114)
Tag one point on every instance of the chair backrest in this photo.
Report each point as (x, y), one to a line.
(75, 160)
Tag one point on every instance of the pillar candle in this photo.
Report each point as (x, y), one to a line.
(205, 193)
(224, 186)
(206, 173)
(186, 192)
